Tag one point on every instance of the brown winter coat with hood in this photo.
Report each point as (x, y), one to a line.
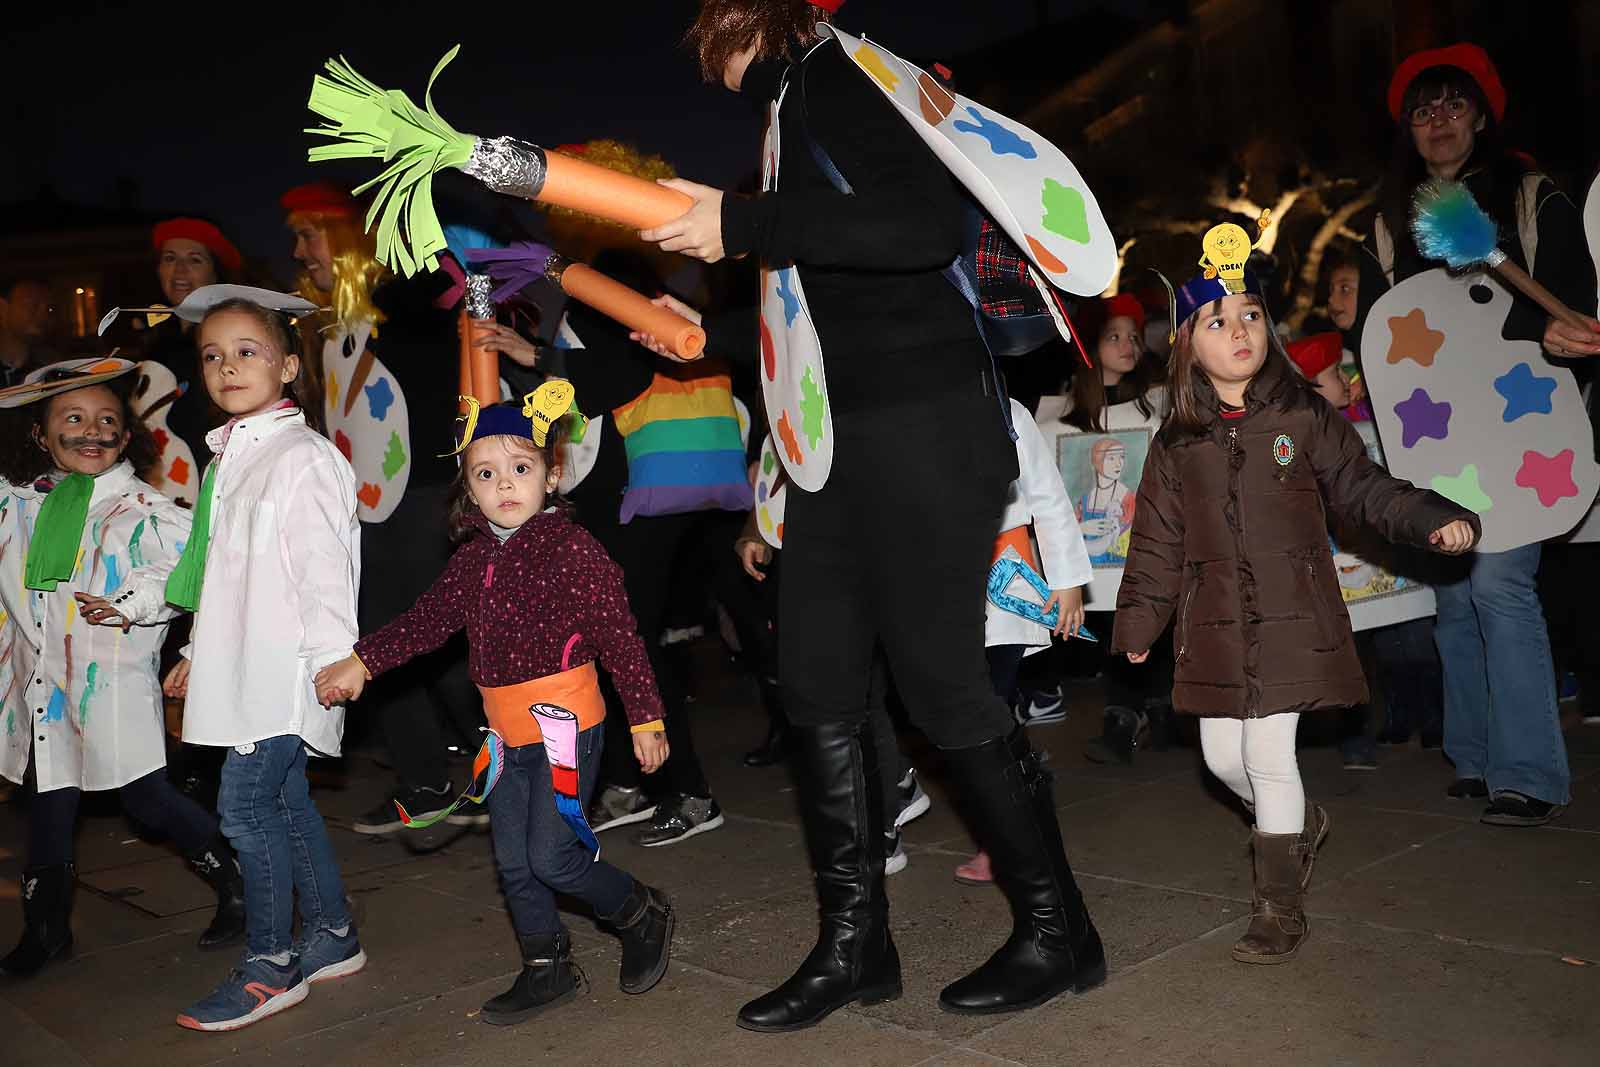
(1230, 532)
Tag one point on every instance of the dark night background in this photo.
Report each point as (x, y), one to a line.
(199, 108)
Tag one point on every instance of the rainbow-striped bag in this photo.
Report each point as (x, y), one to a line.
(685, 450)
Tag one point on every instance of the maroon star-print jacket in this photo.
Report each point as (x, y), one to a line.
(521, 602)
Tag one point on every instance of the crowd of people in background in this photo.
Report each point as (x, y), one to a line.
(850, 631)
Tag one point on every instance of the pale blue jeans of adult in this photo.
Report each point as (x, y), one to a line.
(1500, 717)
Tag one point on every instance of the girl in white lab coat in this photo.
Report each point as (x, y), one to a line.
(77, 526)
(271, 568)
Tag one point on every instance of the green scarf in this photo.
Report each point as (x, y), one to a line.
(58, 533)
(183, 584)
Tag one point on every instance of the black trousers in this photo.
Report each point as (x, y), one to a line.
(894, 551)
(1569, 575)
(647, 549)
(150, 801)
(431, 699)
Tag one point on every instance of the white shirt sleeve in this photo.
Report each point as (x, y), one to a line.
(143, 597)
(1062, 553)
(321, 557)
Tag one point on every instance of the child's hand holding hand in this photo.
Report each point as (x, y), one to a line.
(176, 684)
(650, 749)
(1453, 538)
(342, 681)
(98, 611)
(754, 555)
(1138, 657)
(1070, 601)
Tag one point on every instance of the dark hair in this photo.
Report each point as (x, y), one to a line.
(725, 27)
(1500, 169)
(463, 509)
(23, 458)
(286, 333)
(1190, 390)
(1089, 400)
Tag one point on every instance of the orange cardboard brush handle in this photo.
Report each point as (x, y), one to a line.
(617, 301)
(595, 190)
(480, 367)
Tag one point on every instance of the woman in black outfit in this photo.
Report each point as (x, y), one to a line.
(894, 549)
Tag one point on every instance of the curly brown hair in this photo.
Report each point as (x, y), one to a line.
(23, 458)
(462, 510)
(725, 27)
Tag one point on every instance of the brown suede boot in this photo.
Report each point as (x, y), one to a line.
(1278, 923)
(1318, 823)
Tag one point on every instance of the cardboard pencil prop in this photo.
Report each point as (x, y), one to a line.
(525, 262)
(365, 121)
(480, 367)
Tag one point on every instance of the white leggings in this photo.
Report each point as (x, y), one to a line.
(1255, 758)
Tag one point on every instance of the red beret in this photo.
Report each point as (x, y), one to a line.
(322, 198)
(830, 6)
(201, 231)
(1316, 353)
(1125, 305)
(1466, 57)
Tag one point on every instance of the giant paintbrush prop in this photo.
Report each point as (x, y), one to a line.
(1448, 224)
(365, 121)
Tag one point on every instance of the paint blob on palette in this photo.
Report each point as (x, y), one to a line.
(1487, 422)
(1026, 183)
(368, 420)
(771, 491)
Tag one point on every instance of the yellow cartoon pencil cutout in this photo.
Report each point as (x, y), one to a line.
(1226, 249)
(469, 420)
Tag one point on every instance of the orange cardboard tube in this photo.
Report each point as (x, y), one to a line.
(609, 194)
(480, 367)
(617, 301)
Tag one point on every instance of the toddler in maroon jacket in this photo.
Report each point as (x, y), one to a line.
(541, 602)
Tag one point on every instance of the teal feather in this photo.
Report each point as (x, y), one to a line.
(1448, 224)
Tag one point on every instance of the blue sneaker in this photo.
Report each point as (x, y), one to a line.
(252, 991)
(325, 955)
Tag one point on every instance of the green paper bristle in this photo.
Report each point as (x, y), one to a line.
(366, 121)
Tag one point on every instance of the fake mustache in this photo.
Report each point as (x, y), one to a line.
(82, 442)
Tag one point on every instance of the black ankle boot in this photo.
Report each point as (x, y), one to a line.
(219, 868)
(548, 978)
(46, 903)
(772, 750)
(841, 805)
(645, 925)
(1053, 945)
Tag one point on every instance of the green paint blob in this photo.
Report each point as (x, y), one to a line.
(813, 407)
(395, 458)
(1064, 212)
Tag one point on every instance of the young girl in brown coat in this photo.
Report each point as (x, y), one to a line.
(1230, 533)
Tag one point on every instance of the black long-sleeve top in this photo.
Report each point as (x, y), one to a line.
(891, 326)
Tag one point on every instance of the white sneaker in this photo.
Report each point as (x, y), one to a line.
(914, 803)
(894, 854)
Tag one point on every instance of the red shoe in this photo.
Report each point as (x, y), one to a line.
(976, 871)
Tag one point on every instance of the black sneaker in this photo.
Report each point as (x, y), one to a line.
(914, 802)
(1041, 707)
(1509, 808)
(680, 818)
(619, 806)
(1467, 788)
(419, 802)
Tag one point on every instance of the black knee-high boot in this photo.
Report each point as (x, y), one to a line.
(841, 803)
(1053, 945)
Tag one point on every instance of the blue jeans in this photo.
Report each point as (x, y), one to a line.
(1500, 721)
(283, 848)
(535, 850)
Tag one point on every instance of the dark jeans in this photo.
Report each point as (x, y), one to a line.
(647, 550)
(1004, 663)
(150, 801)
(1408, 670)
(535, 850)
(282, 844)
(430, 699)
(899, 561)
(1569, 575)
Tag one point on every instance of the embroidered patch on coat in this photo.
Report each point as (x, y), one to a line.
(1283, 449)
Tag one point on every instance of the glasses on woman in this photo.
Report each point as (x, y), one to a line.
(1453, 110)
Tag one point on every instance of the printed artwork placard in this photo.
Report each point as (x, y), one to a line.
(1374, 593)
(1101, 472)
